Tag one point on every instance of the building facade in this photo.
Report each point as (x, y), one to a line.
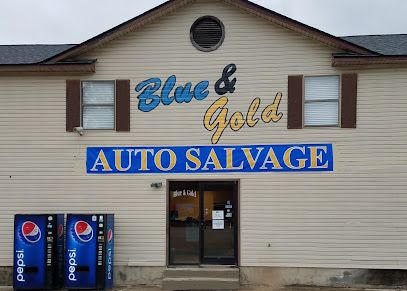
(217, 132)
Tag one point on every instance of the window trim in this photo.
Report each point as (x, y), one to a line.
(107, 105)
(338, 125)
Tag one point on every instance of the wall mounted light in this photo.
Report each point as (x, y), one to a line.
(156, 185)
(79, 130)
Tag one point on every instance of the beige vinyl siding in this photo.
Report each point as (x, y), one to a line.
(352, 218)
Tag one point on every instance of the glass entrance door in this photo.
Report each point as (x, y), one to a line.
(184, 220)
(219, 223)
(202, 223)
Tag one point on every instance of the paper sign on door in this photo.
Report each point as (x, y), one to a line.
(218, 224)
(218, 214)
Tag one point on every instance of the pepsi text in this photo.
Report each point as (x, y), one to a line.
(72, 265)
(20, 265)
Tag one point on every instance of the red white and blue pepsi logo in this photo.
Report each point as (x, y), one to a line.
(60, 231)
(31, 232)
(83, 231)
(109, 235)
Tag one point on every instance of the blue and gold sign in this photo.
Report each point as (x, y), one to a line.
(153, 92)
(210, 159)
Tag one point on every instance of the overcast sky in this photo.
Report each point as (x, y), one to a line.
(74, 21)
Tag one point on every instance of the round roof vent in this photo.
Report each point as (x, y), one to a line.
(207, 33)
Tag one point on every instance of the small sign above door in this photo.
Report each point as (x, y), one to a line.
(185, 193)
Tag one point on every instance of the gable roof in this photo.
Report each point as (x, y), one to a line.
(245, 5)
(381, 49)
(385, 44)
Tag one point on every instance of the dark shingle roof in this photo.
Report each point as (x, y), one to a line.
(29, 54)
(386, 44)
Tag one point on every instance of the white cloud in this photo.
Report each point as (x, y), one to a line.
(73, 21)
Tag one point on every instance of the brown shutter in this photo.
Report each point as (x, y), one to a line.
(295, 106)
(348, 102)
(122, 105)
(73, 104)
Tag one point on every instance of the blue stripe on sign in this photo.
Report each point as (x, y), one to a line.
(210, 159)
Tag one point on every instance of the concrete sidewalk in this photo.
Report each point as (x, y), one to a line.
(246, 288)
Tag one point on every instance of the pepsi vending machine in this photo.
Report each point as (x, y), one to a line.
(38, 251)
(89, 251)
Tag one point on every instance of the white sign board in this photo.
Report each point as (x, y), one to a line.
(218, 214)
(218, 224)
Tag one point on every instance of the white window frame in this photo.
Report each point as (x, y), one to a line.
(338, 125)
(107, 105)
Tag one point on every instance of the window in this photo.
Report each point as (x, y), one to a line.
(98, 104)
(321, 101)
(207, 33)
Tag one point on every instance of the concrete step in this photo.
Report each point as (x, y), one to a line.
(200, 283)
(226, 273)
